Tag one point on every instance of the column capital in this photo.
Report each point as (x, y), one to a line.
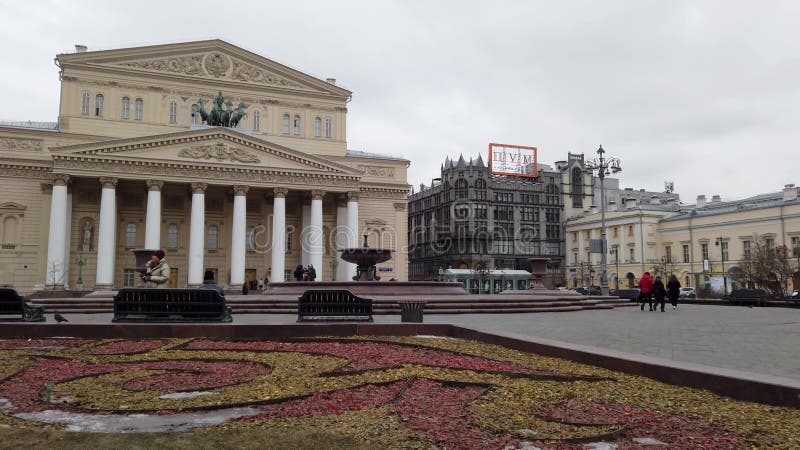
(317, 194)
(109, 182)
(400, 206)
(240, 189)
(59, 179)
(281, 192)
(199, 188)
(352, 196)
(154, 185)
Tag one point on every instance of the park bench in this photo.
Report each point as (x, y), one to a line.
(330, 305)
(13, 304)
(170, 305)
(748, 296)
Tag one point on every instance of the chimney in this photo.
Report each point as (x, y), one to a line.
(654, 200)
(80, 48)
(331, 81)
(630, 203)
(716, 199)
(593, 209)
(789, 193)
(701, 200)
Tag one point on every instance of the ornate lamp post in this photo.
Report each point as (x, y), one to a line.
(81, 262)
(604, 166)
(720, 243)
(615, 251)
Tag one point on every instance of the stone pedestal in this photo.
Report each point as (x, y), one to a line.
(538, 272)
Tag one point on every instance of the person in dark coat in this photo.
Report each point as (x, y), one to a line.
(659, 292)
(673, 290)
(208, 282)
(646, 287)
(298, 273)
(312, 273)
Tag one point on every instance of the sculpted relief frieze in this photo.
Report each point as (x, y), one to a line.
(20, 145)
(378, 171)
(219, 152)
(216, 65)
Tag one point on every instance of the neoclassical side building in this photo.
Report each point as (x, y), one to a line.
(130, 165)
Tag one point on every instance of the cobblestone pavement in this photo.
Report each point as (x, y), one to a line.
(761, 340)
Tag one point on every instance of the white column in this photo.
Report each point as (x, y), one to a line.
(152, 230)
(56, 249)
(279, 236)
(106, 234)
(67, 241)
(197, 228)
(315, 234)
(238, 235)
(342, 242)
(352, 230)
(306, 223)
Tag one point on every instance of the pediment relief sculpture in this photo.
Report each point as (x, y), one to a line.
(214, 64)
(219, 152)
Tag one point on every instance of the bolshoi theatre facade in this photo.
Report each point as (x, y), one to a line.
(130, 165)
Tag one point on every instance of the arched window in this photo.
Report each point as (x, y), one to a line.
(461, 188)
(328, 130)
(297, 125)
(256, 120)
(138, 109)
(285, 128)
(213, 237)
(317, 127)
(480, 183)
(98, 105)
(577, 188)
(126, 108)
(251, 238)
(195, 114)
(85, 104)
(173, 112)
(130, 235)
(172, 236)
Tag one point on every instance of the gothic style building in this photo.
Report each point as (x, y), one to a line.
(130, 165)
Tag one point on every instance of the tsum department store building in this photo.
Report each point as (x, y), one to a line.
(128, 166)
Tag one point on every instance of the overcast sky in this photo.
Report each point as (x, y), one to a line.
(703, 93)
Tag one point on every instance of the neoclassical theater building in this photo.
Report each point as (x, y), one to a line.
(130, 164)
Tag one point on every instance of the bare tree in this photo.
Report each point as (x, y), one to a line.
(55, 274)
(766, 266)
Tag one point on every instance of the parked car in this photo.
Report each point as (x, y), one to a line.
(631, 294)
(688, 292)
(588, 290)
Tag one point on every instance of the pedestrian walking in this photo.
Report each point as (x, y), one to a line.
(673, 291)
(646, 287)
(659, 292)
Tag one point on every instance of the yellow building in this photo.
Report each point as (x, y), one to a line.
(130, 165)
(702, 244)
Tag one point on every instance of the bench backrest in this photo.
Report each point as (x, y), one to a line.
(144, 301)
(334, 301)
(11, 302)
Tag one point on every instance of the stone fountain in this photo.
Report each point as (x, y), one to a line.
(365, 258)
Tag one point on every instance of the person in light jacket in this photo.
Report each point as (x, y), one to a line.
(158, 271)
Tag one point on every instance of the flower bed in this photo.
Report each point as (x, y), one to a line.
(418, 392)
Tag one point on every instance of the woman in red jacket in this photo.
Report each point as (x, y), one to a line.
(646, 286)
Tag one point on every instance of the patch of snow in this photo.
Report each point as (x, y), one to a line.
(181, 395)
(137, 423)
(430, 336)
(523, 445)
(648, 441)
(6, 405)
(600, 446)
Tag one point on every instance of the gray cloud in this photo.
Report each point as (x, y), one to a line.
(701, 93)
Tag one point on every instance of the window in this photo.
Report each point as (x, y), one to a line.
(686, 258)
(529, 233)
(480, 211)
(577, 188)
(126, 108)
(195, 114)
(213, 238)
(251, 239)
(631, 254)
(256, 120)
(630, 230)
(552, 231)
(668, 253)
(138, 109)
(746, 249)
(796, 242)
(615, 230)
(504, 197)
(285, 128)
(297, 125)
(317, 127)
(461, 188)
(85, 104)
(704, 249)
(461, 211)
(328, 129)
(529, 247)
(129, 277)
(504, 212)
(552, 215)
(172, 236)
(173, 112)
(723, 247)
(503, 247)
(98, 105)
(770, 243)
(130, 235)
(686, 281)
(289, 239)
(529, 214)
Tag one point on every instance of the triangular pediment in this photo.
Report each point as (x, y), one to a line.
(206, 60)
(213, 146)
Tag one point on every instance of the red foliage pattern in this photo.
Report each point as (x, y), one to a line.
(126, 347)
(40, 344)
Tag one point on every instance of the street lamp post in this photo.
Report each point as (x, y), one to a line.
(603, 166)
(719, 242)
(615, 251)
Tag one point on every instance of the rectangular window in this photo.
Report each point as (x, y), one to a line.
(138, 109)
(461, 211)
(285, 127)
(297, 125)
(480, 211)
(213, 238)
(724, 249)
(552, 231)
(529, 214)
(129, 277)
(328, 128)
(704, 250)
(529, 248)
(504, 212)
(317, 127)
(130, 235)
(173, 112)
(126, 108)
(98, 105)
(616, 231)
(552, 215)
(631, 254)
(172, 236)
(256, 120)
(746, 249)
(85, 104)
(686, 258)
(770, 243)
(668, 253)
(503, 247)
(630, 230)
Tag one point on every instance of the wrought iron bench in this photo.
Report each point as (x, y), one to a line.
(330, 305)
(170, 305)
(13, 304)
(748, 296)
